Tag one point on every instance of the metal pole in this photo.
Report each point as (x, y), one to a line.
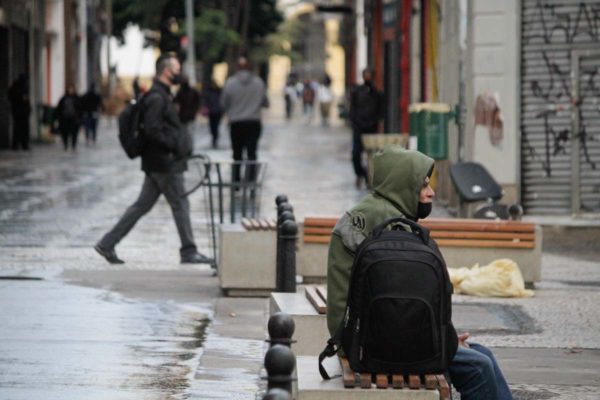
(280, 363)
(108, 55)
(191, 54)
(575, 138)
(289, 231)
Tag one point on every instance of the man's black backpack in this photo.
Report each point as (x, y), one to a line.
(130, 128)
(398, 314)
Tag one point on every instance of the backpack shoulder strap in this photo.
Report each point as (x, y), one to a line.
(333, 346)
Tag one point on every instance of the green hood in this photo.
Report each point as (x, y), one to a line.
(398, 175)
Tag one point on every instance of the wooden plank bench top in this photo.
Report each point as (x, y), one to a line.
(447, 232)
(259, 224)
(317, 296)
(394, 381)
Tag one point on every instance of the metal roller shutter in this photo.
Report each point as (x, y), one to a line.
(551, 30)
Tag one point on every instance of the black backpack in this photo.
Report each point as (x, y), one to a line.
(398, 313)
(131, 129)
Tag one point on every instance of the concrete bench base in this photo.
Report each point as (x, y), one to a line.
(312, 387)
(311, 327)
(246, 261)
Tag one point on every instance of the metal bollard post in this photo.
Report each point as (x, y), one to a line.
(289, 233)
(281, 198)
(279, 264)
(277, 394)
(285, 206)
(281, 328)
(280, 363)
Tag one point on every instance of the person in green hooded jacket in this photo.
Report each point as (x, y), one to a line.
(401, 188)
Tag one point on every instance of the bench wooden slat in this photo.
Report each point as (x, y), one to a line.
(264, 225)
(317, 239)
(317, 302)
(381, 381)
(482, 235)
(320, 221)
(484, 243)
(430, 382)
(317, 231)
(322, 292)
(397, 381)
(443, 387)
(348, 375)
(247, 224)
(477, 225)
(365, 380)
(414, 382)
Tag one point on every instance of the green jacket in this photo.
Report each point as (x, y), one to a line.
(398, 176)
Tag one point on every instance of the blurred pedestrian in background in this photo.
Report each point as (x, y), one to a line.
(308, 99)
(243, 98)
(290, 95)
(325, 98)
(187, 101)
(137, 91)
(18, 95)
(68, 114)
(212, 109)
(91, 105)
(366, 110)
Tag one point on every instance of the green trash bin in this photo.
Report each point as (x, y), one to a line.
(429, 123)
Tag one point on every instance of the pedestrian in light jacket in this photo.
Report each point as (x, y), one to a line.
(243, 98)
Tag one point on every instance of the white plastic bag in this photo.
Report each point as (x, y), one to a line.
(500, 278)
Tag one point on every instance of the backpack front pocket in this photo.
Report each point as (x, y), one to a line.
(400, 330)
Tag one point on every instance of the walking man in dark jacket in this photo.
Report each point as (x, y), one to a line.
(166, 144)
(18, 95)
(91, 104)
(366, 110)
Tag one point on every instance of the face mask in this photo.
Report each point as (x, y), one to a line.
(176, 79)
(423, 210)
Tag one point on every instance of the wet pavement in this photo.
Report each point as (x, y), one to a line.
(152, 328)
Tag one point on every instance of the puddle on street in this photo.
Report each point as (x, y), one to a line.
(60, 341)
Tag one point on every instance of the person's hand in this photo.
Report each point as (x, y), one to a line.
(462, 339)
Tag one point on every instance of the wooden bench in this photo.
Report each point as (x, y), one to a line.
(395, 381)
(463, 242)
(259, 224)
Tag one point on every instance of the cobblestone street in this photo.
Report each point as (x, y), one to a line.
(118, 330)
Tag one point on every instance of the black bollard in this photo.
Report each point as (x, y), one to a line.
(279, 262)
(277, 394)
(289, 234)
(280, 363)
(280, 198)
(285, 207)
(281, 327)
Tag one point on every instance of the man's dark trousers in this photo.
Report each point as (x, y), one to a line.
(357, 148)
(171, 185)
(245, 135)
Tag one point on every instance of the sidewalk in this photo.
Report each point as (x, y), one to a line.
(56, 205)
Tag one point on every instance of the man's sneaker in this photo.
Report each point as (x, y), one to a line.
(195, 258)
(109, 254)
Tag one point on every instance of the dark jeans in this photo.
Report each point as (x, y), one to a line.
(69, 129)
(357, 149)
(214, 119)
(20, 137)
(244, 137)
(477, 376)
(155, 184)
(91, 124)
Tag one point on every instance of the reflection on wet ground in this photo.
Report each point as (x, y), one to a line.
(62, 341)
